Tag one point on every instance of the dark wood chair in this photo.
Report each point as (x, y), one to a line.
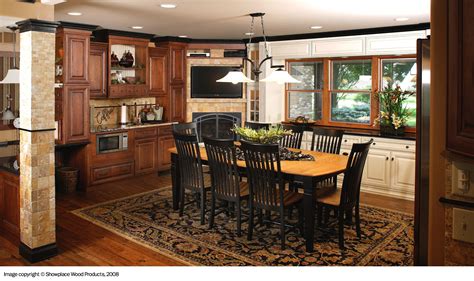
(186, 129)
(257, 125)
(294, 140)
(226, 184)
(328, 141)
(267, 188)
(191, 170)
(346, 199)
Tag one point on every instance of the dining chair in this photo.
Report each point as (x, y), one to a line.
(267, 188)
(191, 170)
(225, 178)
(257, 125)
(346, 199)
(328, 141)
(294, 140)
(186, 129)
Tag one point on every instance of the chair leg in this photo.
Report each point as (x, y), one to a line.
(326, 212)
(239, 219)
(213, 210)
(320, 214)
(196, 198)
(301, 218)
(181, 203)
(268, 217)
(282, 228)
(341, 229)
(260, 216)
(357, 221)
(203, 206)
(250, 230)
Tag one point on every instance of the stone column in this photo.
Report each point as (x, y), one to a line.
(37, 186)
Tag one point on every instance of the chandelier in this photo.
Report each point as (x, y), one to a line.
(280, 75)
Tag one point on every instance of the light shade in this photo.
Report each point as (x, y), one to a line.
(280, 76)
(8, 115)
(234, 77)
(12, 77)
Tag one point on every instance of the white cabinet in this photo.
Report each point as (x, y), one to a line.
(377, 168)
(338, 47)
(390, 166)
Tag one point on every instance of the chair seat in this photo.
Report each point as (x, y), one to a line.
(290, 198)
(333, 199)
(325, 188)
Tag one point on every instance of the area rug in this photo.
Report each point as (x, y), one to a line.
(148, 219)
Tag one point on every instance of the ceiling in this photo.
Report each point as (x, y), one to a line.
(227, 19)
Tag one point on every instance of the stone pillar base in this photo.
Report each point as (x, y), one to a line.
(38, 254)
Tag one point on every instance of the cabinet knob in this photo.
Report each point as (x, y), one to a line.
(407, 147)
(345, 140)
(373, 143)
(393, 158)
(386, 158)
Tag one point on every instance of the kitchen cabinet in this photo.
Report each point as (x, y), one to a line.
(178, 63)
(177, 104)
(164, 156)
(158, 80)
(75, 114)
(377, 168)
(10, 206)
(460, 116)
(146, 151)
(403, 170)
(73, 52)
(111, 172)
(98, 60)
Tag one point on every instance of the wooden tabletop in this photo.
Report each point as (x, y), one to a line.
(324, 164)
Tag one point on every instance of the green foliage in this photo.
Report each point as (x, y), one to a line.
(393, 109)
(272, 135)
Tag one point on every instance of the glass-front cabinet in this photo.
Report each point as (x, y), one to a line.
(128, 67)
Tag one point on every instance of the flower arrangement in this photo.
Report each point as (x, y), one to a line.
(393, 110)
(272, 135)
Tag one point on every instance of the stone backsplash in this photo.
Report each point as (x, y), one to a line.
(108, 112)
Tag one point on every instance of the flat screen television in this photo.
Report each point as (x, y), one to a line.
(204, 85)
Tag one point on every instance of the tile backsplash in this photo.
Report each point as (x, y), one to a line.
(107, 112)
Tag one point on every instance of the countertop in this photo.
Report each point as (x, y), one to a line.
(117, 127)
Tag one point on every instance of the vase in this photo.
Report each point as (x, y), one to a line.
(389, 130)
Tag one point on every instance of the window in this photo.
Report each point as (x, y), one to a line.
(340, 91)
(351, 88)
(305, 98)
(401, 72)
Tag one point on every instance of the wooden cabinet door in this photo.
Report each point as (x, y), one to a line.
(164, 156)
(177, 103)
(158, 65)
(98, 70)
(145, 155)
(377, 168)
(76, 57)
(403, 171)
(75, 114)
(460, 116)
(178, 64)
(10, 205)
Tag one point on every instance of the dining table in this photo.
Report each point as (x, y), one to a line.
(307, 172)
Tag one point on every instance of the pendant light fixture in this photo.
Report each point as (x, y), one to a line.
(280, 75)
(13, 74)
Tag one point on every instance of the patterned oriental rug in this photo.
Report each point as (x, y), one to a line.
(148, 219)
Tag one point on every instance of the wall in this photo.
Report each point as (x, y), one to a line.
(272, 95)
(213, 105)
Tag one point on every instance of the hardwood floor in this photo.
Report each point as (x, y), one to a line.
(83, 243)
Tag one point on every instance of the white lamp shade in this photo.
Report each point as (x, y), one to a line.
(234, 77)
(280, 76)
(12, 77)
(8, 115)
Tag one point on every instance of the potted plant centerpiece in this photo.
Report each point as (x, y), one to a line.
(394, 112)
(263, 136)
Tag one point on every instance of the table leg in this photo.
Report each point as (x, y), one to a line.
(175, 180)
(308, 205)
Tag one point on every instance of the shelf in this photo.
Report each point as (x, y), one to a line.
(119, 68)
(457, 202)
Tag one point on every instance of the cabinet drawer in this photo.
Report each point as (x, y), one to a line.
(347, 141)
(108, 173)
(165, 130)
(145, 133)
(392, 144)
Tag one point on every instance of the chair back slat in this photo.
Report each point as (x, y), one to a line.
(327, 140)
(264, 174)
(222, 160)
(294, 140)
(257, 125)
(189, 161)
(353, 174)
